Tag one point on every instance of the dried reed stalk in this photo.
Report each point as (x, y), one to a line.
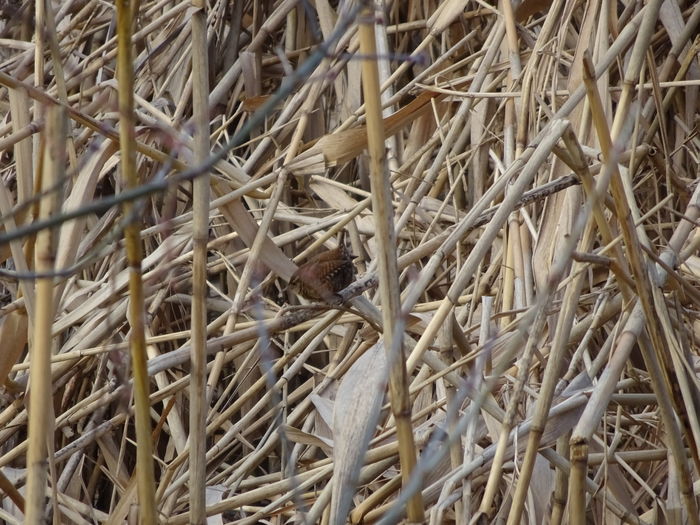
(388, 269)
(200, 237)
(134, 256)
(540, 181)
(41, 422)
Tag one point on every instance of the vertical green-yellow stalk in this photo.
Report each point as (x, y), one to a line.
(40, 420)
(134, 253)
(386, 253)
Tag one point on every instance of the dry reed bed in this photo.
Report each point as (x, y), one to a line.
(547, 241)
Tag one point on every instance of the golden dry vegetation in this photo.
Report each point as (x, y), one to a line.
(518, 181)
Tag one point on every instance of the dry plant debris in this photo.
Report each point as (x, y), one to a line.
(543, 159)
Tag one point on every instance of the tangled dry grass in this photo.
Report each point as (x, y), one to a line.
(543, 161)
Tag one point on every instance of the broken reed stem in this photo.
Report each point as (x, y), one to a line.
(134, 253)
(387, 264)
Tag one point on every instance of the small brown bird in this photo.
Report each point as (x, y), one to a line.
(325, 274)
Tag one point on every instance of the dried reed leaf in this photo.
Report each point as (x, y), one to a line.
(82, 192)
(338, 148)
(13, 334)
(214, 495)
(355, 413)
(20, 112)
(304, 438)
